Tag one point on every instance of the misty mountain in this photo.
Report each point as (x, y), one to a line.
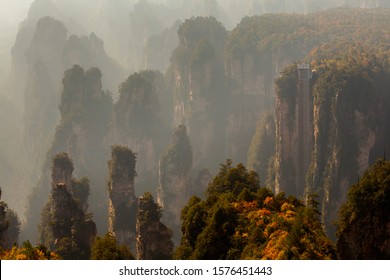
(268, 111)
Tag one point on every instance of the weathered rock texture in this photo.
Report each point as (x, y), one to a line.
(294, 132)
(262, 149)
(64, 221)
(122, 204)
(153, 237)
(324, 143)
(175, 179)
(85, 114)
(62, 171)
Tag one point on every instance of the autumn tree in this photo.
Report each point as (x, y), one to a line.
(241, 220)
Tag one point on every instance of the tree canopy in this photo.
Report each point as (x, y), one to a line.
(241, 220)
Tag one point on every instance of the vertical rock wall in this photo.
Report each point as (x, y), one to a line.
(122, 200)
(64, 222)
(175, 179)
(325, 139)
(153, 237)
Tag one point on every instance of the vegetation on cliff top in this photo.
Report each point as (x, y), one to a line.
(241, 220)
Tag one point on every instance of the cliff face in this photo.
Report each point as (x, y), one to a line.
(140, 121)
(256, 51)
(89, 51)
(85, 113)
(64, 222)
(175, 179)
(122, 205)
(294, 129)
(198, 81)
(37, 69)
(262, 148)
(327, 151)
(69, 221)
(153, 237)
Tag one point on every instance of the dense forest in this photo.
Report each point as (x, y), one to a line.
(196, 130)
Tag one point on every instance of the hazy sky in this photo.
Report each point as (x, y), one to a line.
(13, 11)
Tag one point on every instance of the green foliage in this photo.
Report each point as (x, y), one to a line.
(241, 220)
(107, 248)
(122, 159)
(193, 218)
(194, 29)
(13, 227)
(67, 249)
(151, 212)
(200, 40)
(138, 109)
(10, 226)
(286, 84)
(363, 217)
(65, 227)
(202, 53)
(233, 180)
(154, 241)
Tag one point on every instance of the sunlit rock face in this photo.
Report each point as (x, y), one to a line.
(324, 143)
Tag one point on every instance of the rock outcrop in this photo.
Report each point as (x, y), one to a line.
(197, 79)
(326, 152)
(294, 129)
(175, 179)
(140, 122)
(37, 69)
(89, 51)
(153, 237)
(262, 149)
(85, 114)
(65, 226)
(122, 204)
